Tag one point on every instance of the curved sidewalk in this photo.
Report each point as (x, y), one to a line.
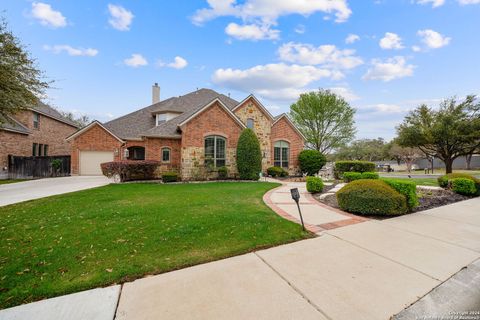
(316, 216)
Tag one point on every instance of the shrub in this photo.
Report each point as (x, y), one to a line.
(369, 175)
(371, 197)
(355, 166)
(130, 169)
(443, 180)
(311, 161)
(249, 156)
(169, 177)
(463, 186)
(314, 184)
(407, 188)
(277, 172)
(351, 176)
(222, 172)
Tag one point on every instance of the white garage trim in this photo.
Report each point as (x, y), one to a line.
(89, 162)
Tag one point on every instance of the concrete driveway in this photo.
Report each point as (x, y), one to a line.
(34, 189)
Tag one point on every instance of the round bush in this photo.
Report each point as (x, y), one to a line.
(249, 156)
(369, 175)
(463, 186)
(351, 176)
(311, 161)
(314, 184)
(352, 165)
(277, 172)
(169, 177)
(222, 172)
(371, 197)
(443, 180)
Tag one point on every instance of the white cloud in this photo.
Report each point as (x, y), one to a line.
(433, 39)
(390, 69)
(268, 11)
(346, 93)
(416, 49)
(136, 60)
(89, 52)
(251, 32)
(121, 18)
(300, 29)
(351, 38)
(276, 81)
(326, 55)
(47, 16)
(466, 2)
(391, 41)
(178, 63)
(434, 3)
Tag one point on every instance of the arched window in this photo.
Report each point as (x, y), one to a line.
(215, 150)
(250, 123)
(281, 153)
(165, 154)
(136, 153)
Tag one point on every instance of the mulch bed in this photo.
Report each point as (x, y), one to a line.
(427, 198)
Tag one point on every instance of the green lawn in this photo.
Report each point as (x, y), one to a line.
(420, 181)
(7, 181)
(117, 233)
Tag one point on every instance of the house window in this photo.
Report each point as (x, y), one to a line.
(34, 149)
(281, 154)
(161, 118)
(36, 120)
(166, 154)
(250, 123)
(40, 150)
(215, 150)
(45, 150)
(136, 153)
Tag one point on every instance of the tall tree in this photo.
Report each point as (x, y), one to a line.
(325, 119)
(364, 149)
(81, 120)
(21, 82)
(447, 133)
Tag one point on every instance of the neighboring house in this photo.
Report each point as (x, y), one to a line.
(36, 131)
(187, 134)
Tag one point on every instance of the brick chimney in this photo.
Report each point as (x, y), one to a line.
(155, 93)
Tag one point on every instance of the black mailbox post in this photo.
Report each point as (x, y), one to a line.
(296, 197)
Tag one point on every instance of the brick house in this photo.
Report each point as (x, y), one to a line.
(192, 134)
(37, 131)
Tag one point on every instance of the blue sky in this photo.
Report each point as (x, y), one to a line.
(385, 57)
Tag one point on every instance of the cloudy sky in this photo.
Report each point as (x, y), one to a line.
(384, 56)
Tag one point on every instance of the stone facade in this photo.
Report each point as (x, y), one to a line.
(50, 132)
(262, 126)
(283, 130)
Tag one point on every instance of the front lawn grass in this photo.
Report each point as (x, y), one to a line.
(8, 181)
(419, 181)
(117, 233)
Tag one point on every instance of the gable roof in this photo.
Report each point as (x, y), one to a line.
(262, 107)
(284, 115)
(141, 123)
(90, 125)
(10, 124)
(50, 112)
(216, 100)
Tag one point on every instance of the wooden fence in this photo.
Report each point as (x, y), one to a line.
(37, 167)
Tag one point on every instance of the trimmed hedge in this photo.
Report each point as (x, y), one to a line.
(407, 188)
(352, 166)
(249, 156)
(463, 186)
(443, 180)
(129, 170)
(352, 176)
(222, 172)
(277, 172)
(371, 197)
(170, 177)
(314, 184)
(311, 161)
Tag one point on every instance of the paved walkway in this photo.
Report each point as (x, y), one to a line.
(34, 189)
(317, 217)
(370, 270)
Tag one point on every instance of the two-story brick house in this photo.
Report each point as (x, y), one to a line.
(37, 131)
(187, 132)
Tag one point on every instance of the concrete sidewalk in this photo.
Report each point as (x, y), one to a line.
(34, 189)
(370, 270)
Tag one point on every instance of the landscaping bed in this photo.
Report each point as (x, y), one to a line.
(120, 232)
